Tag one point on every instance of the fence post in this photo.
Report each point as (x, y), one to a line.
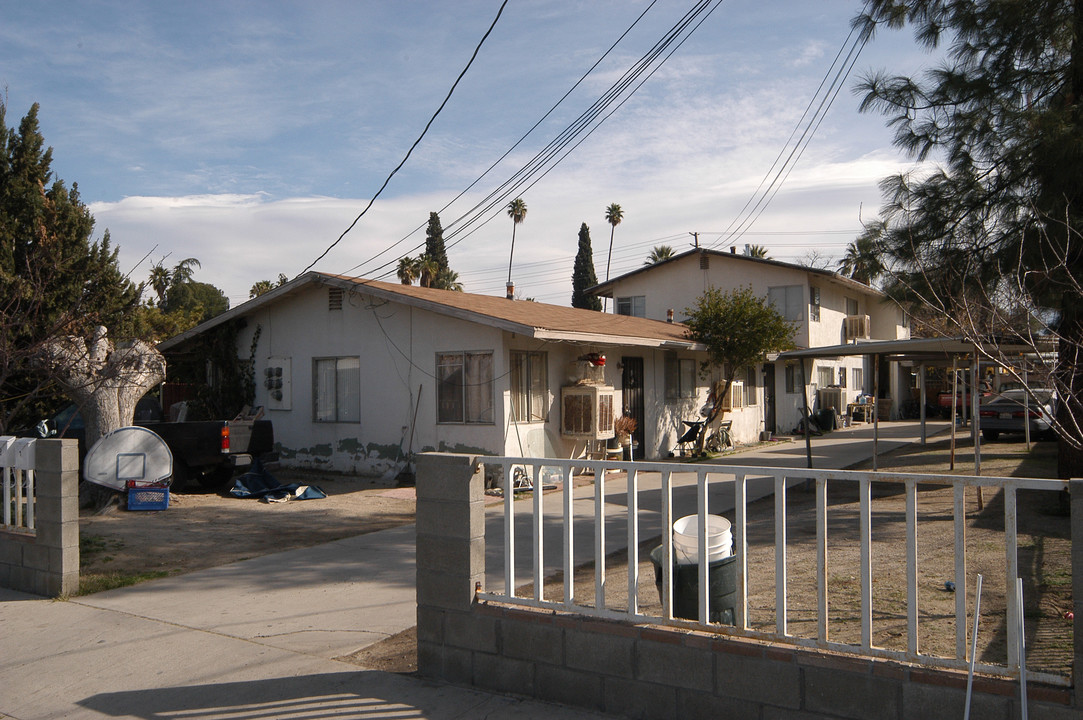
(1076, 488)
(56, 479)
(450, 553)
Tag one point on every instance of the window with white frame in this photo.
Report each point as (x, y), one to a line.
(751, 386)
(851, 306)
(336, 393)
(636, 306)
(857, 376)
(814, 304)
(529, 386)
(464, 387)
(788, 300)
(791, 379)
(825, 376)
(680, 377)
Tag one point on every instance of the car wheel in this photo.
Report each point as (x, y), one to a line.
(990, 435)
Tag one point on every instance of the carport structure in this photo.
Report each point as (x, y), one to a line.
(923, 353)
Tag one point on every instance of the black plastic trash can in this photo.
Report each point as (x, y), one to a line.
(722, 588)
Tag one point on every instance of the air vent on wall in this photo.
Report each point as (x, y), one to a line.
(334, 298)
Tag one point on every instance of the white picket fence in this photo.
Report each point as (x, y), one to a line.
(17, 479)
(580, 528)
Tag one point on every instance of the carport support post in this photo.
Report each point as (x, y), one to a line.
(875, 410)
(808, 418)
(975, 438)
(921, 400)
(1076, 487)
(450, 557)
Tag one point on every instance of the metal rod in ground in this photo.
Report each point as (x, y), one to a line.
(973, 649)
(1022, 649)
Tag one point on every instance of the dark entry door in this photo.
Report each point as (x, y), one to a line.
(631, 382)
(769, 397)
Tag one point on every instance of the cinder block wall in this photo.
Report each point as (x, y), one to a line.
(46, 561)
(651, 671)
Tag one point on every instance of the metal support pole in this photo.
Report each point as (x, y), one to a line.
(808, 418)
(921, 401)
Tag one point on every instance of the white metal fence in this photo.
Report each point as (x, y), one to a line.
(562, 540)
(17, 479)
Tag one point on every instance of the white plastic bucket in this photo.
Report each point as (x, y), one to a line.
(686, 539)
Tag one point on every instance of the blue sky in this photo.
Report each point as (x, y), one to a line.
(249, 135)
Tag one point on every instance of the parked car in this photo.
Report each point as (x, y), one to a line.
(962, 399)
(207, 451)
(1005, 413)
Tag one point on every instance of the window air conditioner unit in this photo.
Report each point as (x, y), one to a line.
(586, 412)
(857, 326)
(735, 398)
(832, 398)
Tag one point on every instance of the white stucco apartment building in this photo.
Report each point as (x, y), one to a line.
(827, 310)
(355, 373)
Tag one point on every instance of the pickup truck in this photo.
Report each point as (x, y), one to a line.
(207, 451)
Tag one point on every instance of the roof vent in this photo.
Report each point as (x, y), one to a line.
(334, 298)
(704, 261)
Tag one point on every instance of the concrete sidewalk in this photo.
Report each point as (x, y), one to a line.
(256, 638)
(259, 638)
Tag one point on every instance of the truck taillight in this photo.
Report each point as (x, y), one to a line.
(225, 439)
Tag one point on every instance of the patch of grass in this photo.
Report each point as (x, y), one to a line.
(95, 547)
(91, 583)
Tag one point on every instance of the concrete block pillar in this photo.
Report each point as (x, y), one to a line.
(1076, 487)
(450, 554)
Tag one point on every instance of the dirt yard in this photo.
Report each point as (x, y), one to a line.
(1044, 560)
(203, 529)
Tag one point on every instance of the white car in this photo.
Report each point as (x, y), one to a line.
(1004, 412)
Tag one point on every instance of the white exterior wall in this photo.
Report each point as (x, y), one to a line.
(677, 284)
(383, 335)
(302, 328)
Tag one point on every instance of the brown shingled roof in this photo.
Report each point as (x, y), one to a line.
(532, 319)
(537, 319)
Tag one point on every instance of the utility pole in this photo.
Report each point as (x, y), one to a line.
(696, 236)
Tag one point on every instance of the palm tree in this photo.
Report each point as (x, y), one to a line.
(428, 269)
(408, 270)
(448, 279)
(658, 254)
(613, 216)
(159, 281)
(517, 213)
(260, 287)
(862, 261)
(183, 271)
(758, 251)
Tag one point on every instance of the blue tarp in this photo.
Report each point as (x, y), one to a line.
(258, 483)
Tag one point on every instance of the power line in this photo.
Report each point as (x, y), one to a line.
(760, 201)
(547, 158)
(416, 142)
(516, 144)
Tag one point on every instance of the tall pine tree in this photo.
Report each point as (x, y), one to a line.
(990, 237)
(55, 282)
(434, 244)
(583, 275)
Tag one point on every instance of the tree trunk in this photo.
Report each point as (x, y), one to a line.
(104, 381)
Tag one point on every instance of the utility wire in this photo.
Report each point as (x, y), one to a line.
(416, 142)
(759, 201)
(511, 149)
(543, 162)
